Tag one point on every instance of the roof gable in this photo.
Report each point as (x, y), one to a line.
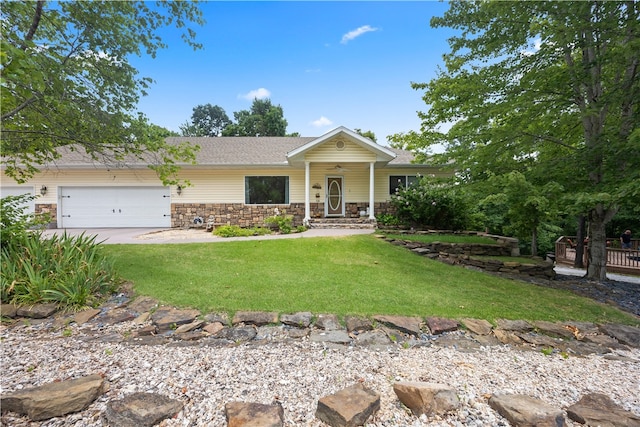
(382, 154)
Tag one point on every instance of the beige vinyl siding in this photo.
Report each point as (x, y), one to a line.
(54, 179)
(227, 186)
(329, 153)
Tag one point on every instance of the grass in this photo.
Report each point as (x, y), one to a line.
(443, 238)
(359, 275)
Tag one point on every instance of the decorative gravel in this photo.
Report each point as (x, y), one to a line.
(297, 373)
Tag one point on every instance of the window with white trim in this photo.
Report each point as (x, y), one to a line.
(401, 181)
(266, 190)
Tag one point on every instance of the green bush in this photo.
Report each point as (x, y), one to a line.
(388, 219)
(70, 271)
(284, 223)
(236, 231)
(430, 204)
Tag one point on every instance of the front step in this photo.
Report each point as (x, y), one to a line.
(343, 223)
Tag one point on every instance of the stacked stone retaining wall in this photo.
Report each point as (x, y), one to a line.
(472, 255)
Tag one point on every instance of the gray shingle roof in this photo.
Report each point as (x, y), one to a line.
(222, 151)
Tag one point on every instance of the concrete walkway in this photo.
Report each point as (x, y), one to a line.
(569, 271)
(163, 235)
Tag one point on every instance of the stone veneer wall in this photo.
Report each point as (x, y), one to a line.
(183, 214)
(50, 209)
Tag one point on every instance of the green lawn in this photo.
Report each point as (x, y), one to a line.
(443, 238)
(359, 275)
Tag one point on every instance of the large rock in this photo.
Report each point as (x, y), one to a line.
(409, 325)
(357, 323)
(238, 334)
(258, 318)
(84, 316)
(166, 318)
(328, 322)
(8, 310)
(597, 409)
(140, 410)
(299, 320)
(54, 399)
(525, 411)
(514, 325)
(478, 326)
(628, 335)
(37, 311)
(349, 407)
(188, 327)
(241, 414)
(142, 304)
(559, 330)
(336, 337)
(440, 325)
(427, 398)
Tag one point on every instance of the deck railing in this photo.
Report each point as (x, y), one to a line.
(618, 260)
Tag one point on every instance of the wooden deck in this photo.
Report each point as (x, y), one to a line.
(618, 260)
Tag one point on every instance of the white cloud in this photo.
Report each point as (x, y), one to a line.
(357, 33)
(260, 93)
(321, 122)
(537, 44)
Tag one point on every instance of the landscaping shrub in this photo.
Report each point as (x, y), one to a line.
(70, 271)
(280, 221)
(236, 231)
(430, 204)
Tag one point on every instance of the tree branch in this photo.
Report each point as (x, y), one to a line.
(34, 24)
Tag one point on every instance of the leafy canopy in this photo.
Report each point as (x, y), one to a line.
(66, 80)
(547, 88)
(264, 119)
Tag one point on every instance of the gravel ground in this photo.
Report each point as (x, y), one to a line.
(298, 373)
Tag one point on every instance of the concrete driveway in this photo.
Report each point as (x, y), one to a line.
(163, 235)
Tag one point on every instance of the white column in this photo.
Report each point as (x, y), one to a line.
(307, 205)
(372, 191)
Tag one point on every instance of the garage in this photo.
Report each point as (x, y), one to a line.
(19, 190)
(115, 207)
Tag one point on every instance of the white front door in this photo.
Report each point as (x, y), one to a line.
(334, 205)
(113, 207)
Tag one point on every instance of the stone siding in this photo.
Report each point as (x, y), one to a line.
(50, 209)
(183, 214)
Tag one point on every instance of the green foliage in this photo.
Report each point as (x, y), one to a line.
(432, 204)
(67, 83)
(549, 89)
(206, 120)
(70, 271)
(388, 220)
(236, 231)
(445, 238)
(281, 221)
(15, 224)
(264, 119)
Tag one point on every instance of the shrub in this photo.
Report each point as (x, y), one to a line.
(70, 271)
(388, 219)
(432, 204)
(284, 223)
(236, 231)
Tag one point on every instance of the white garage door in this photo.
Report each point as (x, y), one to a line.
(18, 191)
(104, 207)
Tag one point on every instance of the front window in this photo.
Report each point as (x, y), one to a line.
(404, 181)
(266, 190)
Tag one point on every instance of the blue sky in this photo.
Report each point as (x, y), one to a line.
(327, 64)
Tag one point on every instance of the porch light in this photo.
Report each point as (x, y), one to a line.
(316, 186)
(179, 190)
(43, 190)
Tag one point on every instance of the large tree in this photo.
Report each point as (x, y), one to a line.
(66, 80)
(206, 120)
(551, 88)
(264, 119)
